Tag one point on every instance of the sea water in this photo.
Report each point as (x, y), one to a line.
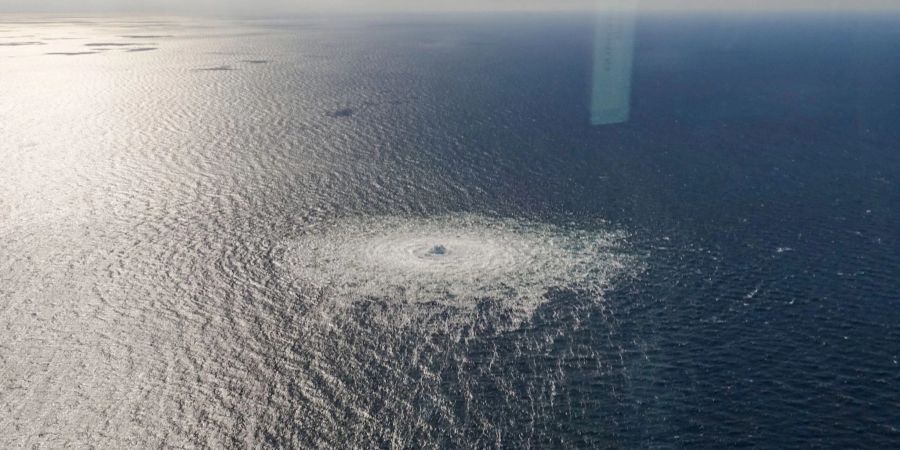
(406, 233)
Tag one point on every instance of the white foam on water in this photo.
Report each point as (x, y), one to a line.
(457, 260)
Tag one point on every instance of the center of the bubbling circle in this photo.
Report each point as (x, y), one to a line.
(437, 250)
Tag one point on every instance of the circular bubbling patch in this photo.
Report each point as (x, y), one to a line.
(456, 260)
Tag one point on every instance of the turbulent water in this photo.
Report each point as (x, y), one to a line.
(404, 233)
(455, 261)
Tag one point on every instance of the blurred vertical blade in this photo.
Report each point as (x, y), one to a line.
(613, 54)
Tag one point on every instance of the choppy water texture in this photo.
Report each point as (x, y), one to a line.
(456, 261)
(403, 233)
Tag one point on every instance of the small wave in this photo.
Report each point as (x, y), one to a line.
(110, 44)
(19, 44)
(222, 68)
(71, 53)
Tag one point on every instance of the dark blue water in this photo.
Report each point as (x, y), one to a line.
(151, 219)
(762, 164)
(764, 153)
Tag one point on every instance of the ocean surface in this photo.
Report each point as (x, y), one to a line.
(404, 232)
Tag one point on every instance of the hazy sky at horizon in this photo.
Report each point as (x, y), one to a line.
(262, 7)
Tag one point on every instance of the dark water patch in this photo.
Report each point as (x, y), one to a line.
(110, 44)
(344, 112)
(46, 22)
(146, 25)
(146, 36)
(17, 44)
(141, 49)
(214, 69)
(71, 53)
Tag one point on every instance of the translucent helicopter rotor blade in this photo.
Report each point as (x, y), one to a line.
(613, 55)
